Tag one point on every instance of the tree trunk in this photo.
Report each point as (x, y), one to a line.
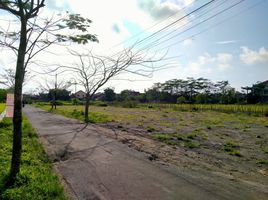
(87, 108)
(17, 117)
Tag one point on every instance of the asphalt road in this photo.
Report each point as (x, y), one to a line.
(93, 166)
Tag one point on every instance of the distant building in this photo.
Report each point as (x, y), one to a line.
(80, 95)
(98, 96)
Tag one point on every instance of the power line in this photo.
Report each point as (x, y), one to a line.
(217, 24)
(198, 24)
(171, 24)
(197, 17)
(178, 20)
(159, 22)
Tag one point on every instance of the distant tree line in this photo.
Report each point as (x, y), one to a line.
(190, 90)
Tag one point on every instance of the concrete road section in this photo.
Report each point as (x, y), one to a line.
(96, 167)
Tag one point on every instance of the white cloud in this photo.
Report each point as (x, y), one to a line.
(227, 42)
(251, 57)
(224, 67)
(187, 42)
(206, 63)
(224, 58)
(165, 12)
(182, 3)
(159, 10)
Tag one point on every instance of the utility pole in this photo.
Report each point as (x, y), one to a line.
(54, 103)
(75, 83)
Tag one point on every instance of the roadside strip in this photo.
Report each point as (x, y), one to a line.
(2, 115)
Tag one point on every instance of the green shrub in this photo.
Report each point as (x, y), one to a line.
(181, 100)
(76, 101)
(262, 162)
(231, 148)
(130, 104)
(191, 144)
(161, 137)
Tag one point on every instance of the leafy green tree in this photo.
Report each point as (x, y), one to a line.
(61, 94)
(3, 94)
(33, 36)
(200, 98)
(128, 95)
(109, 94)
(153, 95)
(181, 100)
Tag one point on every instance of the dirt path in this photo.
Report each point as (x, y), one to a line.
(94, 166)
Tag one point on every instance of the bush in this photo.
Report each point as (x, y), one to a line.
(58, 103)
(130, 104)
(102, 104)
(76, 101)
(181, 100)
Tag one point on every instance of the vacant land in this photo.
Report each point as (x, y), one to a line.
(2, 107)
(233, 145)
(37, 179)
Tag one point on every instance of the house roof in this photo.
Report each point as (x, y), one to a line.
(80, 91)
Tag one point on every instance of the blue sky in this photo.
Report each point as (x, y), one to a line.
(235, 50)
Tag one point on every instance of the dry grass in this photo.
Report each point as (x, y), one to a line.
(228, 141)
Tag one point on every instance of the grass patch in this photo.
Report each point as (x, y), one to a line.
(2, 107)
(36, 179)
(191, 144)
(262, 162)
(161, 137)
(192, 135)
(235, 153)
(175, 139)
(231, 148)
(150, 129)
(265, 150)
(77, 113)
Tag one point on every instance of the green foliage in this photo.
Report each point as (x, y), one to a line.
(2, 107)
(69, 111)
(130, 104)
(150, 129)
(265, 150)
(262, 162)
(200, 98)
(76, 101)
(109, 94)
(191, 136)
(181, 100)
(37, 179)
(191, 144)
(247, 109)
(176, 139)
(77, 22)
(161, 137)
(3, 94)
(231, 148)
(100, 103)
(61, 94)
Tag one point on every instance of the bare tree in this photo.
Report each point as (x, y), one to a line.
(32, 36)
(53, 86)
(93, 72)
(7, 78)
